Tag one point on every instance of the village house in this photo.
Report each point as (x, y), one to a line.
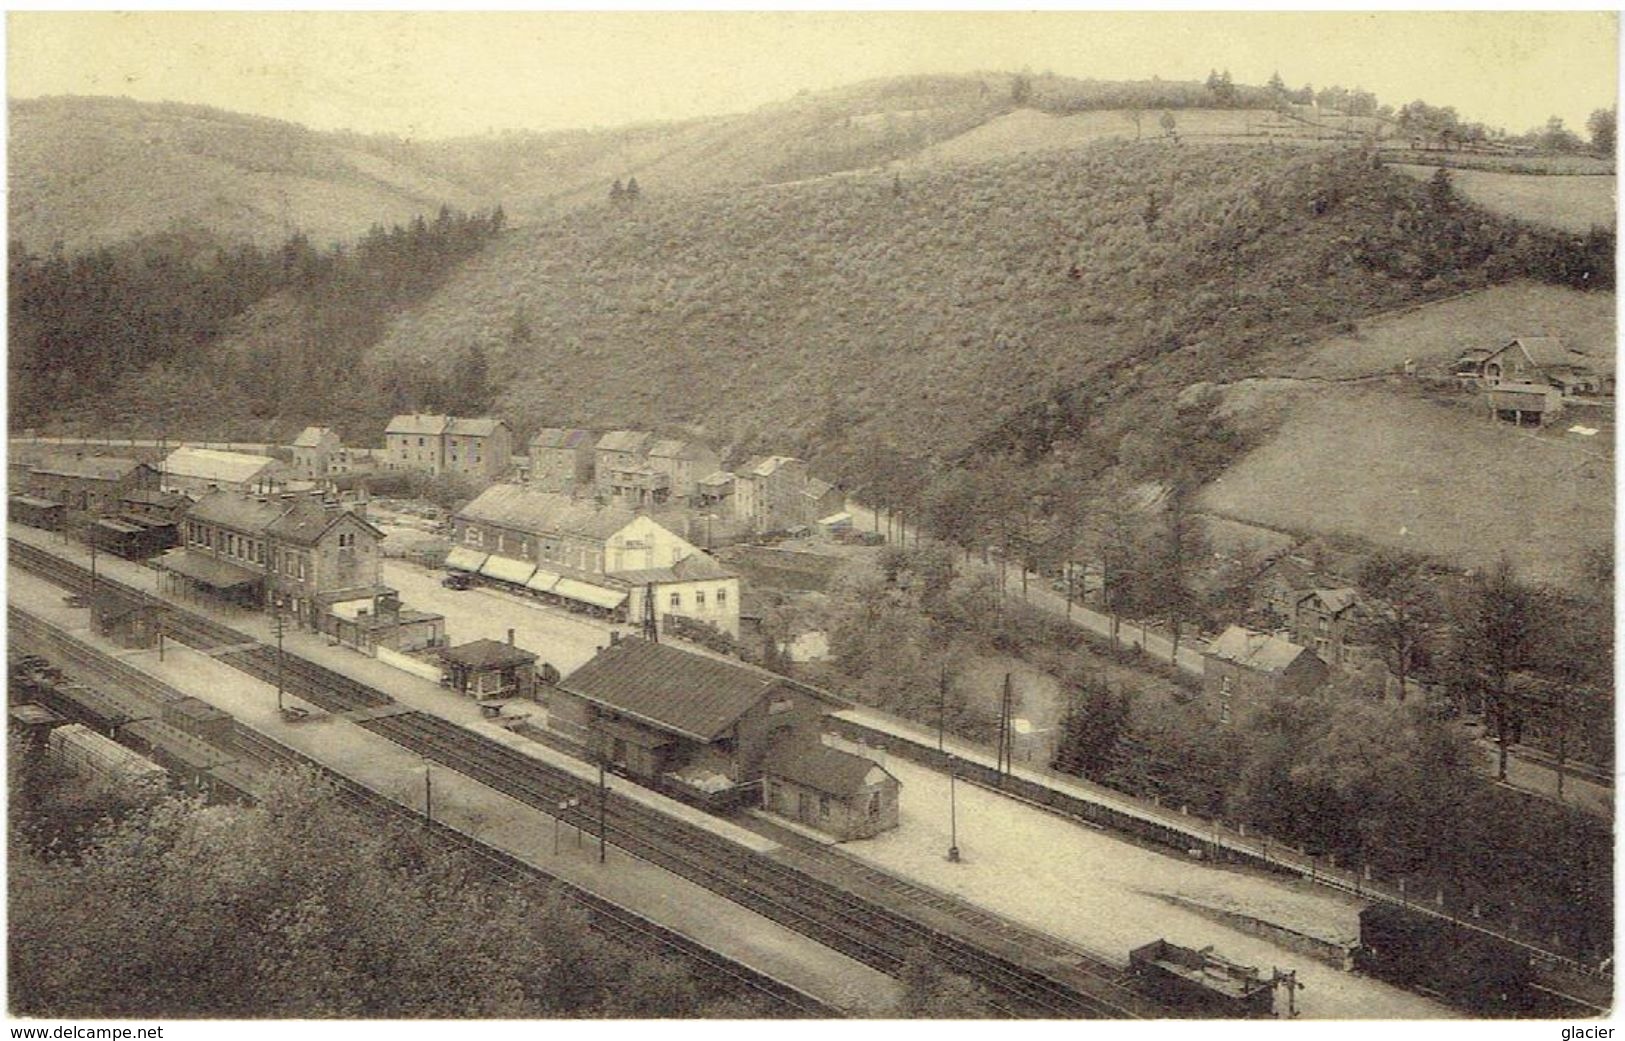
(838, 793)
(672, 717)
(1321, 619)
(620, 451)
(198, 471)
(312, 451)
(561, 460)
(601, 559)
(89, 484)
(776, 493)
(436, 444)
(684, 463)
(1244, 670)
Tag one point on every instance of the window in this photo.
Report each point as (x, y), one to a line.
(420, 442)
(874, 804)
(676, 601)
(823, 806)
(722, 598)
(699, 598)
(346, 540)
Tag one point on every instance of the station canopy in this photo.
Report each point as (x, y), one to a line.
(507, 569)
(586, 593)
(461, 558)
(209, 571)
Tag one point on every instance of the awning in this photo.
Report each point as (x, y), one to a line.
(597, 596)
(208, 570)
(461, 558)
(507, 569)
(542, 581)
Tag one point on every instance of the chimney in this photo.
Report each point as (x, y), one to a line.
(510, 637)
(614, 637)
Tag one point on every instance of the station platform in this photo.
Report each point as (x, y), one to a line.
(493, 818)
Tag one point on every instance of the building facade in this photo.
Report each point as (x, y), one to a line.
(1321, 619)
(561, 460)
(437, 444)
(623, 451)
(198, 471)
(685, 464)
(841, 794)
(1244, 670)
(312, 451)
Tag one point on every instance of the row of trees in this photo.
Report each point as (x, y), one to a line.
(182, 909)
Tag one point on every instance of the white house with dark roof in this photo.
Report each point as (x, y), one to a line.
(599, 558)
(312, 450)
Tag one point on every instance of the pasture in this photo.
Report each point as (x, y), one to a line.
(1433, 335)
(1398, 470)
(1553, 201)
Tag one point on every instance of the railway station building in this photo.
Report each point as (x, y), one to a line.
(839, 793)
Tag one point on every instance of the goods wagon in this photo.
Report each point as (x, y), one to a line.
(81, 749)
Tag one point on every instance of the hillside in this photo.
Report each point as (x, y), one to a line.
(924, 313)
(95, 171)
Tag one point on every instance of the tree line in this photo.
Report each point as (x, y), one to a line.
(137, 328)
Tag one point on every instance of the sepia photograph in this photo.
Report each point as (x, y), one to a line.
(530, 518)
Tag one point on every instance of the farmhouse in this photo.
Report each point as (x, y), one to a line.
(667, 715)
(1544, 359)
(1244, 670)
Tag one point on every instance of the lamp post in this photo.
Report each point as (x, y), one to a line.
(953, 812)
(278, 626)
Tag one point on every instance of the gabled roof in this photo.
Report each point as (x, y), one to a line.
(817, 488)
(560, 437)
(674, 449)
(1550, 352)
(488, 654)
(718, 479)
(1335, 601)
(90, 467)
(244, 513)
(523, 509)
(306, 520)
(215, 465)
(481, 427)
(624, 441)
(1261, 652)
(311, 437)
(418, 423)
(696, 567)
(672, 689)
(812, 763)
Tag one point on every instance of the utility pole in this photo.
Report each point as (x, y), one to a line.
(428, 799)
(1007, 742)
(942, 706)
(603, 808)
(278, 626)
(953, 812)
(651, 628)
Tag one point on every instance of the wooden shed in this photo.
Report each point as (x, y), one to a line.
(833, 791)
(487, 669)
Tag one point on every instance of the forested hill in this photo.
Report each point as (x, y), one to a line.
(923, 313)
(88, 172)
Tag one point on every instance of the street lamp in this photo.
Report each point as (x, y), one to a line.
(565, 806)
(953, 812)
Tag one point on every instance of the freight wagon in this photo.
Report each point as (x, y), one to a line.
(84, 751)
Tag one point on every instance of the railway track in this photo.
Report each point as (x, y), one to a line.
(708, 966)
(1020, 980)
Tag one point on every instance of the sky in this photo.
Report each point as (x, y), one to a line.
(434, 74)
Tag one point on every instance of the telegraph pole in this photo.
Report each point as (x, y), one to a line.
(603, 808)
(428, 799)
(942, 706)
(278, 627)
(953, 812)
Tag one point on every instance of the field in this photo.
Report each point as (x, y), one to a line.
(1405, 472)
(1566, 203)
(1435, 334)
